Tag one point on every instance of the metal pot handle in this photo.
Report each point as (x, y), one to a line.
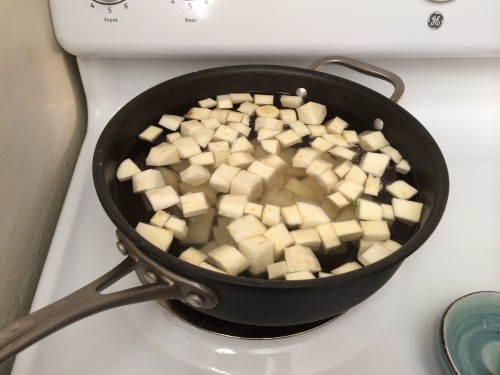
(368, 69)
(89, 300)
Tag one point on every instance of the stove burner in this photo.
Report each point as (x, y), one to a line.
(236, 330)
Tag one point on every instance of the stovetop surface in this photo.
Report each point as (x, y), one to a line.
(394, 331)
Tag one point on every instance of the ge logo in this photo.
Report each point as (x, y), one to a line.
(435, 20)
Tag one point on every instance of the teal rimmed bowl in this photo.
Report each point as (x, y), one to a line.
(470, 335)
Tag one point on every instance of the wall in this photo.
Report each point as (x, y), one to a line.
(42, 124)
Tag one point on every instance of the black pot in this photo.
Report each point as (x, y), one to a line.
(245, 300)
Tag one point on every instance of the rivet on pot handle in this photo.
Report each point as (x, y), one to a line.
(89, 300)
(368, 69)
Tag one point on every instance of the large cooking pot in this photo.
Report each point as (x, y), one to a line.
(238, 299)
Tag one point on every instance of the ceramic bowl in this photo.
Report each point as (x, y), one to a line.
(470, 335)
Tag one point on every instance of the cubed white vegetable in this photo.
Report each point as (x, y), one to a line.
(218, 146)
(392, 152)
(373, 254)
(210, 194)
(263, 99)
(159, 218)
(336, 125)
(162, 197)
(321, 144)
(301, 258)
(229, 259)
(401, 189)
(374, 163)
(277, 271)
(259, 252)
(254, 208)
(126, 170)
(373, 185)
(372, 140)
(186, 147)
(387, 213)
(280, 237)
(271, 215)
(312, 215)
(173, 136)
(171, 122)
(329, 239)
(193, 256)
(225, 133)
(304, 157)
(368, 210)
(205, 159)
(348, 189)
(160, 237)
(222, 178)
(343, 168)
(291, 215)
(247, 183)
(194, 204)
(336, 140)
(162, 154)
(247, 226)
(150, 133)
(357, 175)
(317, 167)
(408, 212)
(197, 113)
(242, 144)
(203, 136)
(266, 172)
(306, 237)
(207, 103)
(189, 127)
(268, 111)
(232, 205)
(248, 108)
(211, 123)
(147, 180)
(240, 159)
(208, 266)
(375, 230)
(200, 229)
(348, 230)
(195, 175)
(291, 101)
(346, 267)
(224, 101)
(263, 134)
(391, 245)
(240, 128)
(220, 114)
(339, 200)
(300, 128)
(403, 167)
(271, 145)
(287, 115)
(240, 97)
(178, 226)
(342, 153)
(288, 138)
(299, 275)
(312, 113)
(351, 136)
(234, 116)
(268, 123)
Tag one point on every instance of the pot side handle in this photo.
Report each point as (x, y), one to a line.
(89, 300)
(365, 68)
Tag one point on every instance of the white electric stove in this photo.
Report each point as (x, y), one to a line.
(447, 53)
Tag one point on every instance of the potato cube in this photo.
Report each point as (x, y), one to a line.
(387, 213)
(392, 152)
(342, 153)
(327, 180)
(189, 127)
(300, 128)
(240, 128)
(316, 130)
(234, 116)
(259, 252)
(211, 123)
(280, 237)
(343, 168)
(351, 136)
(194, 204)
(403, 167)
(240, 159)
(263, 99)
(287, 115)
(271, 145)
(301, 258)
(321, 144)
(218, 146)
(263, 134)
(357, 175)
(160, 237)
(208, 266)
(373, 185)
(242, 144)
(229, 259)
(339, 200)
(162, 197)
(268, 111)
(203, 136)
(266, 172)
(349, 189)
(207, 103)
(240, 97)
(336, 140)
(224, 101)
(312, 215)
(173, 136)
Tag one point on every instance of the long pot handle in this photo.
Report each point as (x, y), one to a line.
(89, 300)
(365, 68)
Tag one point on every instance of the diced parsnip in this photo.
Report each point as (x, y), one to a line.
(393, 153)
(373, 185)
(150, 133)
(373, 254)
(240, 97)
(197, 113)
(232, 205)
(368, 210)
(259, 252)
(245, 120)
(280, 237)
(186, 147)
(271, 145)
(194, 204)
(254, 208)
(321, 144)
(173, 136)
(372, 140)
(208, 247)
(348, 189)
(312, 113)
(343, 153)
(346, 267)
(306, 237)
(329, 239)
(327, 180)
(247, 183)
(387, 213)
(159, 218)
(287, 115)
(408, 212)
(375, 230)
(348, 213)
(240, 128)
(335, 125)
(316, 130)
(300, 128)
(403, 167)
(391, 245)
(248, 108)
(147, 180)
(234, 116)
(336, 140)
(247, 226)
(312, 215)
(291, 101)
(263, 134)
(339, 200)
(207, 103)
(348, 230)
(274, 161)
(224, 101)
(374, 163)
(330, 209)
(266, 172)
(357, 175)
(401, 189)
(220, 157)
(343, 168)
(271, 215)
(291, 215)
(210, 194)
(301, 258)
(268, 111)
(195, 175)
(126, 170)
(208, 266)
(317, 167)
(218, 146)
(268, 123)
(263, 99)
(220, 114)
(351, 136)
(300, 275)
(229, 259)
(225, 133)
(242, 144)
(364, 245)
(162, 154)
(288, 138)
(240, 159)
(171, 122)
(205, 159)
(193, 256)
(189, 127)
(160, 237)
(304, 157)
(178, 226)
(277, 271)
(162, 197)
(222, 178)
(203, 136)
(211, 123)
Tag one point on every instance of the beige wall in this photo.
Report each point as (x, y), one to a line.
(42, 124)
